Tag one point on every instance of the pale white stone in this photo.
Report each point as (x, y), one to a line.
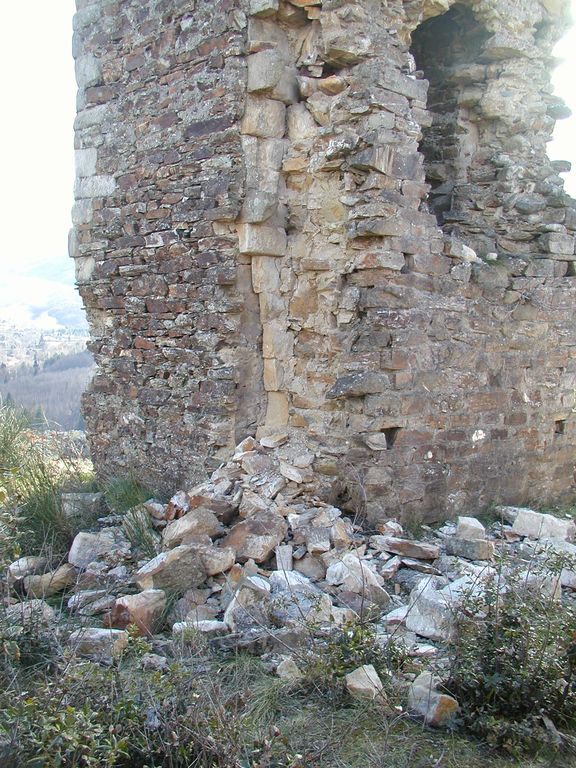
(260, 240)
(364, 683)
(88, 71)
(95, 186)
(536, 525)
(470, 528)
(86, 161)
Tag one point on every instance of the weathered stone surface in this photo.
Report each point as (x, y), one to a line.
(104, 643)
(250, 605)
(472, 549)
(25, 566)
(470, 528)
(178, 569)
(144, 610)
(30, 613)
(437, 709)
(88, 547)
(406, 547)
(50, 583)
(364, 683)
(257, 537)
(197, 522)
(413, 237)
(536, 525)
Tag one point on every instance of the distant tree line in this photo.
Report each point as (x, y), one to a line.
(49, 395)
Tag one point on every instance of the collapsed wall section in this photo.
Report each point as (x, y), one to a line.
(258, 250)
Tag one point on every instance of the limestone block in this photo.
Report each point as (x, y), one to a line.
(265, 70)
(301, 124)
(50, 583)
(263, 8)
(29, 613)
(259, 206)
(86, 161)
(25, 566)
(145, 610)
(265, 274)
(88, 71)
(470, 528)
(437, 709)
(286, 89)
(93, 641)
(264, 118)
(88, 547)
(284, 558)
(250, 604)
(82, 212)
(536, 525)
(458, 250)
(197, 522)
(257, 537)
(558, 245)
(273, 375)
(288, 670)
(179, 569)
(364, 683)
(94, 186)
(84, 268)
(276, 410)
(277, 342)
(471, 549)
(260, 240)
(88, 118)
(79, 505)
(406, 547)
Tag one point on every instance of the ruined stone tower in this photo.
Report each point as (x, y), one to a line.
(335, 218)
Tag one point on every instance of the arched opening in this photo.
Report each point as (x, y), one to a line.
(447, 49)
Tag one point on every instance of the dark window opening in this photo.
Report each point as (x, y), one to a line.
(391, 435)
(559, 426)
(447, 49)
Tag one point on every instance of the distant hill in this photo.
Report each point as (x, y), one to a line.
(52, 391)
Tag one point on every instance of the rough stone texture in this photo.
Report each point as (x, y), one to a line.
(336, 219)
(437, 709)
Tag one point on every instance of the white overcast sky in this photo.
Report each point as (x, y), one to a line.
(38, 91)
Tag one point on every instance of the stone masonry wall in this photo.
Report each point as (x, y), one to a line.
(281, 226)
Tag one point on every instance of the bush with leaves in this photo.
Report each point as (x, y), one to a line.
(513, 668)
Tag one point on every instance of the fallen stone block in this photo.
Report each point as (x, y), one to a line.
(437, 709)
(364, 683)
(197, 522)
(178, 569)
(257, 537)
(406, 547)
(50, 583)
(145, 610)
(93, 641)
(537, 525)
(471, 549)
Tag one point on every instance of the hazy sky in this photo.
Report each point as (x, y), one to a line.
(39, 92)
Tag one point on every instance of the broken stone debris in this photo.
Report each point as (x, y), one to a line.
(254, 553)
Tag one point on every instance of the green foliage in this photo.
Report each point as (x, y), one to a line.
(138, 528)
(124, 493)
(514, 664)
(32, 475)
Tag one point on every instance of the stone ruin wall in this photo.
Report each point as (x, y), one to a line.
(281, 225)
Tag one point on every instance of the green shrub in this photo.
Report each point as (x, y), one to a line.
(513, 666)
(124, 493)
(34, 469)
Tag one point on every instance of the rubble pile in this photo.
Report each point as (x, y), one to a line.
(254, 559)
